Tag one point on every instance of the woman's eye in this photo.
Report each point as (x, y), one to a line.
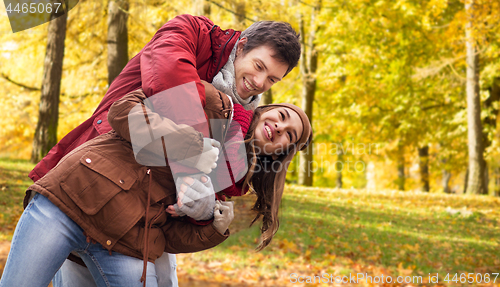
(272, 81)
(290, 136)
(282, 116)
(258, 67)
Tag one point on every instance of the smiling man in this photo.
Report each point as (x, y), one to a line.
(189, 49)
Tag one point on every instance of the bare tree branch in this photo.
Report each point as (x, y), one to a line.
(230, 11)
(35, 89)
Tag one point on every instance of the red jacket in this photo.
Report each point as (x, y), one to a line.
(185, 49)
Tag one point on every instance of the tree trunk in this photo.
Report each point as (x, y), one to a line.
(306, 157)
(48, 115)
(491, 106)
(202, 8)
(475, 183)
(401, 168)
(308, 67)
(117, 37)
(496, 173)
(339, 166)
(446, 181)
(239, 8)
(486, 177)
(423, 155)
(466, 180)
(267, 98)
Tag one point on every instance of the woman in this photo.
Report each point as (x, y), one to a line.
(100, 201)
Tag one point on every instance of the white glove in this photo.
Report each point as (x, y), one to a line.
(223, 215)
(210, 155)
(196, 200)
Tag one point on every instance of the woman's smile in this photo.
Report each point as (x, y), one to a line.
(268, 131)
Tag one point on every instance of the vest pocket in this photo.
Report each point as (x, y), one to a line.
(94, 180)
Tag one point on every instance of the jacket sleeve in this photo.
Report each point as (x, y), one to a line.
(153, 136)
(183, 237)
(169, 59)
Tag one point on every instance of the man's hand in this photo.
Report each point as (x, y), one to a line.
(195, 198)
(223, 215)
(210, 155)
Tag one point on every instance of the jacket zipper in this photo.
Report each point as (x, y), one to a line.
(224, 48)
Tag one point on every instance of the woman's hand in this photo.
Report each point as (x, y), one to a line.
(223, 215)
(195, 198)
(208, 159)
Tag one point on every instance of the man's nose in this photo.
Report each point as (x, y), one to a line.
(259, 81)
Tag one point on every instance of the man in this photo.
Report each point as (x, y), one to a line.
(190, 49)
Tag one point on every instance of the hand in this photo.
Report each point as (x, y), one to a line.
(194, 198)
(223, 215)
(210, 155)
(188, 180)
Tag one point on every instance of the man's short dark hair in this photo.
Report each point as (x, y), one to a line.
(279, 36)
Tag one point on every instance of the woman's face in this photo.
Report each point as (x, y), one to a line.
(276, 130)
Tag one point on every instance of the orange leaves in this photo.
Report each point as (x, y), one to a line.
(289, 246)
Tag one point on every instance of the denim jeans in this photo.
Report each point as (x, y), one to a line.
(72, 274)
(45, 236)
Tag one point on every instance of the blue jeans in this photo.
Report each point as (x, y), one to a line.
(72, 274)
(45, 236)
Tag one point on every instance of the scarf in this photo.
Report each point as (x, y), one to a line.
(225, 82)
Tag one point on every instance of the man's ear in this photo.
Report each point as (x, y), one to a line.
(241, 44)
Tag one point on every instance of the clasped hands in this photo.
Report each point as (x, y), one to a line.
(196, 196)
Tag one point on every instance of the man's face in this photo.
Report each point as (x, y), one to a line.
(256, 71)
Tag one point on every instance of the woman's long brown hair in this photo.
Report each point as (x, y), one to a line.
(266, 182)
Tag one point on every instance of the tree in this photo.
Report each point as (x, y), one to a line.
(477, 164)
(239, 16)
(339, 167)
(117, 37)
(491, 123)
(202, 7)
(400, 182)
(48, 115)
(267, 98)
(423, 155)
(308, 67)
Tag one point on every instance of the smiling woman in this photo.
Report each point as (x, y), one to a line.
(277, 133)
(276, 130)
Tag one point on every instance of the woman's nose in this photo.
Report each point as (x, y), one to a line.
(277, 128)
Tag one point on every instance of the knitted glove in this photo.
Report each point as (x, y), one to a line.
(210, 155)
(223, 215)
(196, 200)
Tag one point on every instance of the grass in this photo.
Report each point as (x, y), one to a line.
(346, 232)
(332, 231)
(13, 183)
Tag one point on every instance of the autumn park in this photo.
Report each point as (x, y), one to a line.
(399, 184)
